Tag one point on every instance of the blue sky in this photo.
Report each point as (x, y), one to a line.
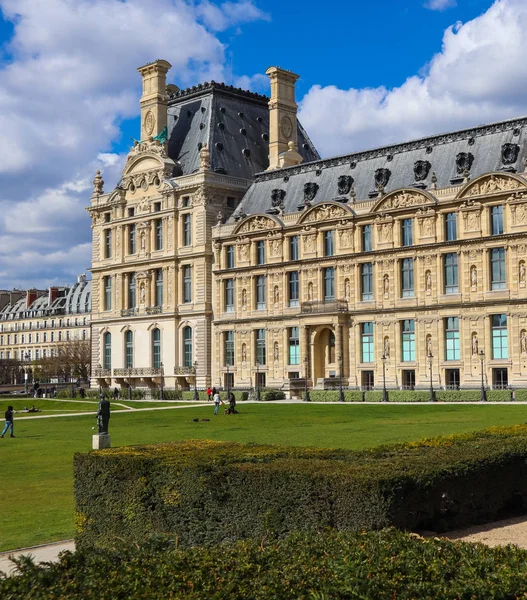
(372, 73)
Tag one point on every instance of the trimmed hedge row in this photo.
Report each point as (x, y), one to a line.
(371, 566)
(333, 396)
(206, 492)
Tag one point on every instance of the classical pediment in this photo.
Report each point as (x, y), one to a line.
(403, 198)
(258, 223)
(492, 183)
(324, 212)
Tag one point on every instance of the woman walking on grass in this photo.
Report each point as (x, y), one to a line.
(217, 400)
(8, 421)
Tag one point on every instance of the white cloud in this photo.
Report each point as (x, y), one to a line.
(256, 83)
(440, 4)
(70, 81)
(478, 77)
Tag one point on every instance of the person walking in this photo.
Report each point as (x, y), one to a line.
(217, 400)
(8, 421)
(209, 394)
(115, 394)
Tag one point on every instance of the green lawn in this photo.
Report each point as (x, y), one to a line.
(36, 500)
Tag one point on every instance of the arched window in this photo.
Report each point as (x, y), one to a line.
(187, 347)
(129, 349)
(107, 350)
(331, 347)
(156, 349)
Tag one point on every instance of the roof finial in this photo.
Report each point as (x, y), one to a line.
(434, 180)
(466, 176)
(204, 158)
(98, 184)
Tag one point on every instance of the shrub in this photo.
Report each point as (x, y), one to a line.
(368, 565)
(458, 395)
(408, 396)
(186, 488)
(374, 396)
(499, 395)
(333, 396)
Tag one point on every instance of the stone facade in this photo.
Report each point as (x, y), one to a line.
(412, 278)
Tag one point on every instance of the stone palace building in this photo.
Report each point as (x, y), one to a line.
(230, 253)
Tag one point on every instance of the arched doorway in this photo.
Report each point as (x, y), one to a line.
(324, 354)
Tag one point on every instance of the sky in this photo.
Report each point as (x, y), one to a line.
(371, 73)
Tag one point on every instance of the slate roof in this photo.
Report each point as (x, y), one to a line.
(71, 301)
(232, 122)
(496, 147)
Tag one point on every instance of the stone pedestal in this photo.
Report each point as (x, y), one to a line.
(101, 441)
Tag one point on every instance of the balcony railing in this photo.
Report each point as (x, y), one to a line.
(102, 372)
(153, 310)
(138, 372)
(321, 306)
(128, 312)
(183, 370)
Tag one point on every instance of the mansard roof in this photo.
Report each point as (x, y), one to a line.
(443, 160)
(232, 122)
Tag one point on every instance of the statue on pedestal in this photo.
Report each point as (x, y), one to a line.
(103, 415)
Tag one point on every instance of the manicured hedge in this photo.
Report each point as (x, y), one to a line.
(205, 492)
(333, 396)
(371, 566)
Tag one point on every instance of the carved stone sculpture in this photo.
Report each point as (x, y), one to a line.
(474, 277)
(98, 183)
(382, 176)
(386, 285)
(509, 153)
(244, 353)
(428, 282)
(347, 289)
(310, 291)
(277, 197)
(522, 273)
(310, 191)
(244, 299)
(387, 347)
(523, 342)
(429, 345)
(344, 184)
(421, 170)
(464, 162)
(475, 344)
(103, 415)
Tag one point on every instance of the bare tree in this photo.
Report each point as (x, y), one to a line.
(9, 370)
(71, 360)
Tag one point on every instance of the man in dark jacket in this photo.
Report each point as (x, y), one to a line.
(8, 421)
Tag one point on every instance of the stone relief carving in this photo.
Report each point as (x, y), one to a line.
(310, 242)
(276, 352)
(381, 178)
(387, 347)
(244, 299)
(472, 220)
(403, 200)
(346, 238)
(243, 251)
(275, 248)
(170, 277)
(519, 213)
(244, 352)
(142, 293)
(347, 289)
(385, 231)
(170, 234)
(491, 184)
(427, 227)
(429, 345)
(257, 224)
(310, 291)
(326, 211)
(276, 296)
(277, 197)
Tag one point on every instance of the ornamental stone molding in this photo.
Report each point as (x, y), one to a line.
(403, 198)
(257, 223)
(519, 211)
(325, 212)
(492, 184)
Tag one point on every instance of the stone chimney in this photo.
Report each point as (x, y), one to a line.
(154, 98)
(282, 113)
(31, 296)
(52, 295)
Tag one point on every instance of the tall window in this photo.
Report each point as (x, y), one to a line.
(107, 243)
(367, 343)
(260, 252)
(367, 281)
(159, 287)
(407, 277)
(230, 257)
(260, 292)
(497, 269)
(129, 339)
(500, 345)
(408, 340)
(108, 293)
(159, 234)
(131, 290)
(107, 350)
(294, 346)
(329, 243)
(187, 283)
(497, 220)
(329, 284)
(451, 273)
(187, 347)
(451, 227)
(294, 288)
(331, 347)
(406, 230)
(187, 230)
(366, 238)
(156, 348)
(452, 338)
(229, 295)
(293, 247)
(260, 347)
(131, 239)
(229, 348)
